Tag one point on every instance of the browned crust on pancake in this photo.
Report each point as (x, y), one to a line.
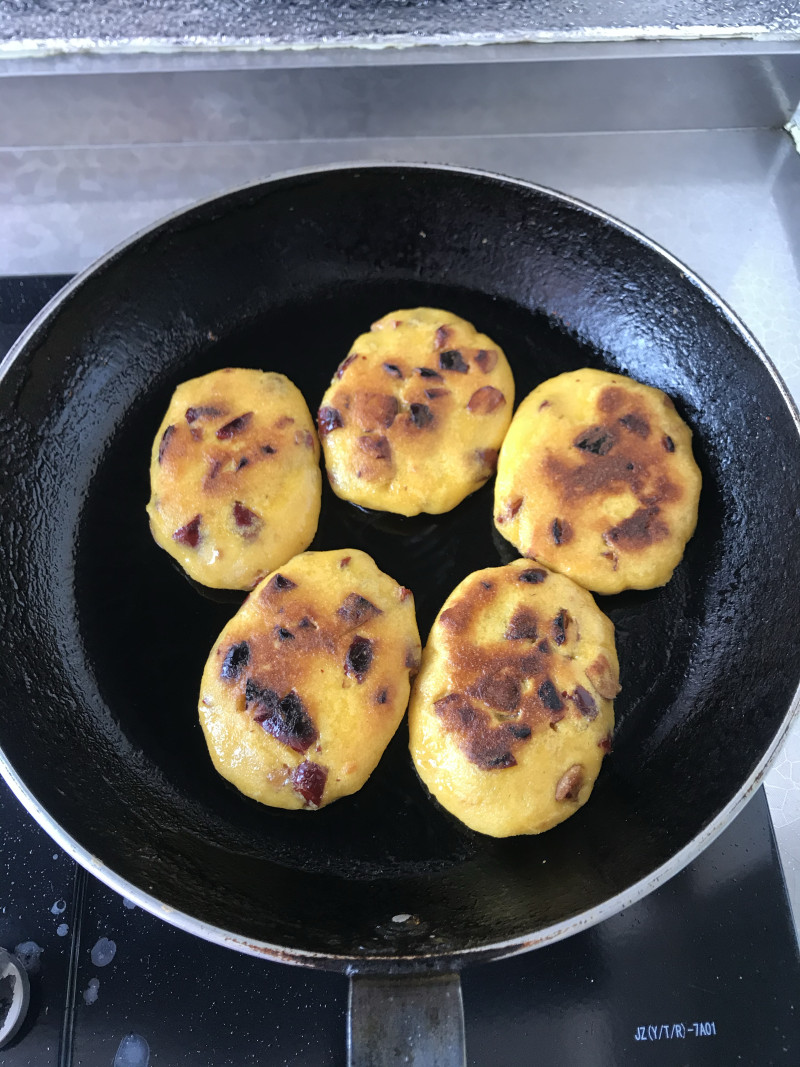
(596, 479)
(384, 418)
(501, 689)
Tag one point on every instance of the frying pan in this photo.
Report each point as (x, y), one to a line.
(104, 640)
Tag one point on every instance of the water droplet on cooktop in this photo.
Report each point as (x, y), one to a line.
(29, 955)
(92, 991)
(59, 907)
(128, 903)
(62, 930)
(103, 952)
(133, 1051)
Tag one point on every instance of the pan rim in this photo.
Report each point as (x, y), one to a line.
(494, 950)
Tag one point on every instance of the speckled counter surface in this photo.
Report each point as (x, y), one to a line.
(85, 162)
(30, 26)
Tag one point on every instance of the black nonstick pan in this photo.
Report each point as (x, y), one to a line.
(104, 640)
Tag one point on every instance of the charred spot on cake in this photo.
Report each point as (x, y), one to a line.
(522, 626)
(636, 423)
(372, 411)
(500, 690)
(483, 743)
(561, 532)
(548, 694)
(377, 447)
(611, 398)
(639, 530)
(534, 576)
(597, 441)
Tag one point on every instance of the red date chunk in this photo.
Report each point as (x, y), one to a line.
(356, 609)
(420, 415)
(246, 520)
(328, 420)
(164, 445)
(207, 412)
(359, 658)
(189, 534)
(309, 781)
(486, 359)
(236, 659)
(286, 719)
(585, 703)
(234, 427)
(451, 359)
(485, 400)
(569, 784)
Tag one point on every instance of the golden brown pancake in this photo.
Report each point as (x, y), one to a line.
(512, 711)
(416, 413)
(596, 479)
(234, 475)
(309, 680)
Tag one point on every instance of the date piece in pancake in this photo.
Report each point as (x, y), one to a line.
(234, 476)
(309, 680)
(512, 711)
(596, 479)
(415, 415)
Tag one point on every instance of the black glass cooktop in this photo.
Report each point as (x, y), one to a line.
(703, 971)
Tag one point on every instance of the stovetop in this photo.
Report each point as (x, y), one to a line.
(703, 971)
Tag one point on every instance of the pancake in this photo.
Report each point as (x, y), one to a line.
(597, 480)
(234, 475)
(415, 415)
(308, 682)
(512, 711)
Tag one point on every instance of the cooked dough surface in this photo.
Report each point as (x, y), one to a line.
(234, 475)
(415, 415)
(309, 680)
(597, 480)
(512, 711)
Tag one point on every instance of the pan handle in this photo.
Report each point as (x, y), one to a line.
(405, 1019)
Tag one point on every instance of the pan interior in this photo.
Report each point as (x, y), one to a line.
(107, 649)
